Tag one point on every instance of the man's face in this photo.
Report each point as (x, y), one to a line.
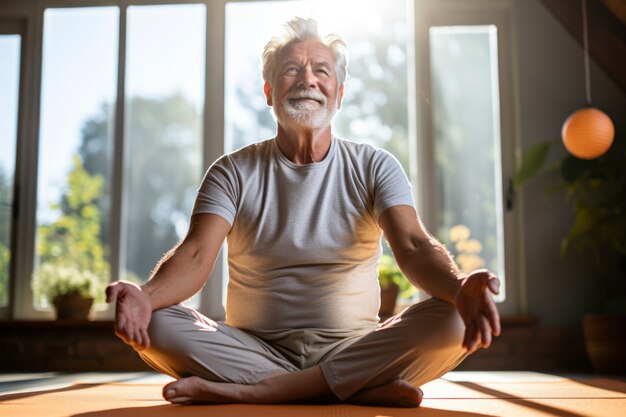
(304, 91)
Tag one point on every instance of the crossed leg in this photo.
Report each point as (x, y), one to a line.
(383, 368)
(305, 385)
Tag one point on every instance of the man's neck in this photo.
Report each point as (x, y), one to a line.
(304, 146)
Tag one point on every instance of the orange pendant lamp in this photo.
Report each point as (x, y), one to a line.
(587, 133)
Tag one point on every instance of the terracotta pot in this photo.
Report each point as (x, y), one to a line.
(605, 339)
(388, 297)
(72, 306)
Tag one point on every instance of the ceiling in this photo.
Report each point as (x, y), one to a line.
(606, 31)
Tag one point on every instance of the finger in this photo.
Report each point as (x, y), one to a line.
(129, 332)
(485, 332)
(475, 341)
(138, 338)
(466, 335)
(146, 338)
(465, 338)
(120, 325)
(491, 312)
(471, 337)
(143, 336)
(494, 285)
(111, 292)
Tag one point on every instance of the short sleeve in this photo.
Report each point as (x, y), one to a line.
(390, 184)
(219, 191)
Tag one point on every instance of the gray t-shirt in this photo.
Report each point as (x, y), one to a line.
(305, 242)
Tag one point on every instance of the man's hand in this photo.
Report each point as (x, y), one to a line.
(133, 310)
(478, 310)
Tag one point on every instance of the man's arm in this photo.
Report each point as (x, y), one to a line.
(185, 269)
(428, 265)
(179, 275)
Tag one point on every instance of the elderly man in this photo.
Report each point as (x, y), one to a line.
(304, 213)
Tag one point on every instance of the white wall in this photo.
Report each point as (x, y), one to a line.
(550, 82)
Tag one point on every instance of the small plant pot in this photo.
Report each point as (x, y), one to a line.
(72, 307)
(605, 338)
(388, 297)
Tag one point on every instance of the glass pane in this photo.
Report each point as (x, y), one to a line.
(163, 129)
(247, 117)
(465, 105)
(376, 100)
(77, 108)
(9, 85)
(375, 106)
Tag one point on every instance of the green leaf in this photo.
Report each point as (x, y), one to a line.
(532, 162)
(583, 223)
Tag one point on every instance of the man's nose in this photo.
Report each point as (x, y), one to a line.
(307, 78)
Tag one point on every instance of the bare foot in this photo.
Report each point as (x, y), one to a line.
(197, 390)
(398, 393)
(281, 387)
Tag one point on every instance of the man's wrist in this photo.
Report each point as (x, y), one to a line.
(148, 291)
(459, 286)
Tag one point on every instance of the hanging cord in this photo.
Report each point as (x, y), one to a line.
(586, 49)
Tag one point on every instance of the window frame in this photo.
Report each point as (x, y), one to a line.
(452, 13)
(15, 26)
(21, 306)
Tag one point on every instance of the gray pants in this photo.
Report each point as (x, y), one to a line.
(418, 345)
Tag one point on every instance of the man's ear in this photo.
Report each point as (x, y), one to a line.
(268, 93)
(340, 96)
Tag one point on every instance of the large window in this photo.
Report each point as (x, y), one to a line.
(75, 145)
(126, 104)
(100, 210)
(163, 129)
(466, 135)
(10, 48)
(377, 96)
(467, 139)
(376, 102)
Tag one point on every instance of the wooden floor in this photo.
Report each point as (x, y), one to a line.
(457, 394)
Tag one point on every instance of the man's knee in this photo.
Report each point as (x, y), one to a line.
(439, 324)
(169, 350)
(439, 347)
(165, 327)
(451, 325)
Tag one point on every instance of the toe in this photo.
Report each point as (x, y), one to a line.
(169, 394)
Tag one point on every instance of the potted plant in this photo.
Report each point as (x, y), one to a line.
(69, 290)
(597, 191)
(393, 285)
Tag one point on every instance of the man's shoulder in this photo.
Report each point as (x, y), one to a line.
(247, 154)
(362, 151)
(355, 147)
(252, 149)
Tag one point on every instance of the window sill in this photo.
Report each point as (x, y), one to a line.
(36, 324)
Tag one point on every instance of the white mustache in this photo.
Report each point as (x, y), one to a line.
(308, 94)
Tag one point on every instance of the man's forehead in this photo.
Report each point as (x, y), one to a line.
(312, 50)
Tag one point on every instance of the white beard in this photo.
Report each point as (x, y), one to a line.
(307, 114)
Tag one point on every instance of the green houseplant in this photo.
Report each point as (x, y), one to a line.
(393, 285)
(596, 190)
(70, 290)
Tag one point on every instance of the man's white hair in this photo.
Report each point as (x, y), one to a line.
(299, 29)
